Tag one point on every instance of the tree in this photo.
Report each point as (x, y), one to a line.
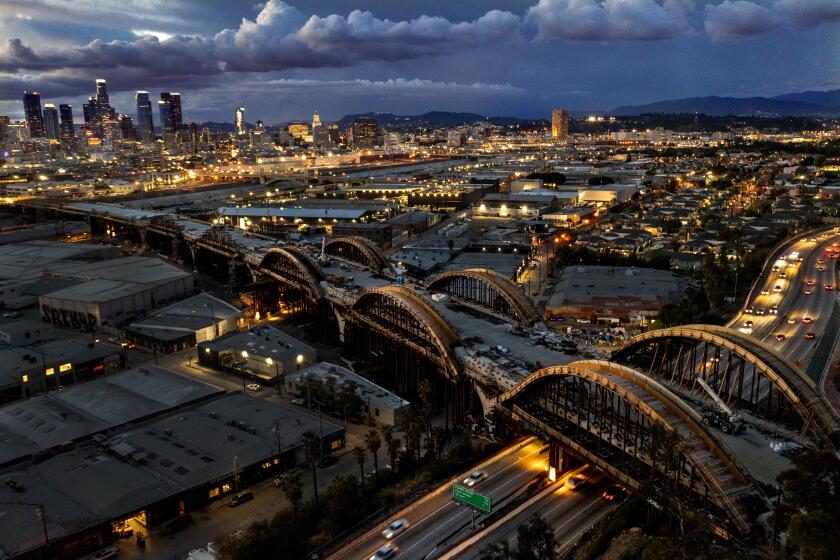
(391, 444)
(293, 490)
(359, 454)
(373, 443)
(424, 393)
(312, 448)
(451, 244)
(535, 540)
(497, 551)
(599, 181)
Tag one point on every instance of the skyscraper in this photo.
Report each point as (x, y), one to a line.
(560, 124)
(32, 112)
(127, 130)
(93, 117)
(170, 112)
(316, 120)
(51, 130)
(364, 132)
(239, 120)
(66, 128)
(145, 124)
(102, 92)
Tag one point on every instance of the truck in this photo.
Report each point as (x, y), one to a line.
(724, 419)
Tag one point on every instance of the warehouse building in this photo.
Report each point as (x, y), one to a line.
(607, 194)
(608, 294)
(382, 406)
(262, 353)
(140, 475)
(110, 293)
(185, 323)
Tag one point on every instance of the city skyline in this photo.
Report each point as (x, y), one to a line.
(286, 60)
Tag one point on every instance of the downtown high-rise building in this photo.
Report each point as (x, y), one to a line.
(145, 122)
(316, 120)
(239, 121)
(32, 113)
(364, 130)
(102, 92)
(93, 117)
(51, 129)
(170, 112)
(66, 128)
(560, 124)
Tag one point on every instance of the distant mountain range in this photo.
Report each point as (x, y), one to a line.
(806, 103)
(432, 118)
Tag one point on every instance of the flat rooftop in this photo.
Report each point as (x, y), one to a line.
(96, 482)
(367, 390)
(262, 340)
(82, 410)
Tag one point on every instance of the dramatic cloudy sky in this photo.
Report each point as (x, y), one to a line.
(283, 59)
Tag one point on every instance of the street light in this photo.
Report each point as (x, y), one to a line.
(277, 378)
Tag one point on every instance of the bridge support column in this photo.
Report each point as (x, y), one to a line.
(556, 460)
(232, 276)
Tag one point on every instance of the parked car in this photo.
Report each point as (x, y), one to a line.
(254, 386)
(241, 498)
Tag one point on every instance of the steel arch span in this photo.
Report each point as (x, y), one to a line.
(358, 250)
(403, 316)
(292, 266)
(488, 291)
(744, 372)
(639, 432)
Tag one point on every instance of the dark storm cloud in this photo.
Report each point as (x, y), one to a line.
(738, 19)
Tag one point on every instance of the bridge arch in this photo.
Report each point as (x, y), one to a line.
(358, 250)
(488, 291)
(628, 425)
(293, 267)
(745, 372)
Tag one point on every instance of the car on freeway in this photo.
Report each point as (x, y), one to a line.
(810, 336)
(765, 291)
(810, 282)
(808, 291)
(760, 311)
(832, 255)
(614, 492)
(829, 287)
(748, 324)
(791, 321)
(807, 320)
(395, 528)
(782, 275)
(575, 482)
(774, 310)
(820, 261)
(749, 310)
(386, 552)
(298, 402)
(820, 267)
(254, 386)
(778, 289)
(780, 337)
(241, 498)
(474, 478)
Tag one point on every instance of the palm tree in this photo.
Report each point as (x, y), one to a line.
(359, 454)
(390, 444)
(312, 447)
(374, 444)
(293, 490)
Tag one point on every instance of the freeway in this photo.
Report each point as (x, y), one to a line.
(570, 512)
(798, 291)
(436, 521)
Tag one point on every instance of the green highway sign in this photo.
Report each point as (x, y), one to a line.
(471, 498)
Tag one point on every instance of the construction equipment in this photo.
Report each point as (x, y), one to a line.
(724, 419)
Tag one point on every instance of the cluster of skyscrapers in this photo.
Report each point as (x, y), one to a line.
(101, 119)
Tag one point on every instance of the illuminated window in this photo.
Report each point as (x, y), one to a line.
(226, 487)
(25, 379)
(277, 461)
(336, 444)
(214, 492)
(64, 367)
(266, 465)
(50, 371)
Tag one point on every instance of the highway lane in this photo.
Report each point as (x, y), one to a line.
(794, 301)
(569, 512)
(436, 519)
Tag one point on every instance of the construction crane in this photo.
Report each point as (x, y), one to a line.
(725, 419)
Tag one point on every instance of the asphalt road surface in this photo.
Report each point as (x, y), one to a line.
(438, 522)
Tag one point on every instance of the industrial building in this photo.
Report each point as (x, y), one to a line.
(29, 370)
(608, 194)
(138, 456)
(610, 294)
(110, 293)
(262, 353)
(382, 405)
(185, 323)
